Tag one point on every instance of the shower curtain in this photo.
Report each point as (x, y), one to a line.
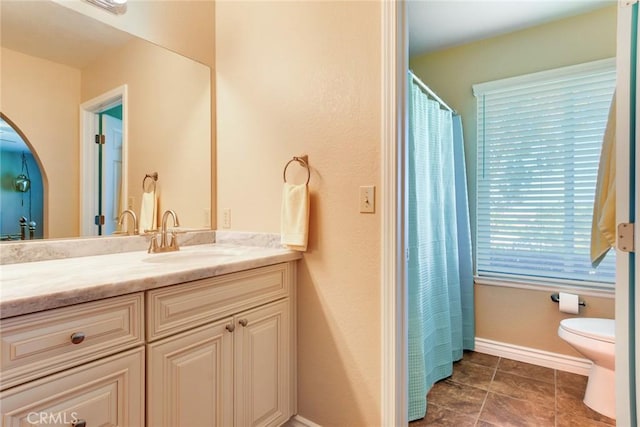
(440, 278)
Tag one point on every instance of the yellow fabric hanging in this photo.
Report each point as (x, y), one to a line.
(603, 225)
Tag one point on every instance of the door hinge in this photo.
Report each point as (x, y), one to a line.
(626, 236)
(99, 139)
(99, 219)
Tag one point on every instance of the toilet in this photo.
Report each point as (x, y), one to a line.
(595, 340)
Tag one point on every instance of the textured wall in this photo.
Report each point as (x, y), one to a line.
(304, 78)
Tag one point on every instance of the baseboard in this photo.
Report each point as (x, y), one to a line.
(298, 421)
(534, 356)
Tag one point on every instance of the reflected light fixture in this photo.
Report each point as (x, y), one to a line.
(117, 7)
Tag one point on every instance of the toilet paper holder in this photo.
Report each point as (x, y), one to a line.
(556, 298)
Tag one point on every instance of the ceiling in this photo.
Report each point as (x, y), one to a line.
(439, 24)
(44, 29)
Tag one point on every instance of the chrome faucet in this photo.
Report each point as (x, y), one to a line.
(165, 244)
(133, 216)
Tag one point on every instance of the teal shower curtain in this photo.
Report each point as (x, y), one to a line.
(440, 278)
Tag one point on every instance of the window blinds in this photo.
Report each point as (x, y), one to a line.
(539, 141)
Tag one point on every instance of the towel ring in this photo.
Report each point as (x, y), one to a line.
(153, 176)
(302, 162)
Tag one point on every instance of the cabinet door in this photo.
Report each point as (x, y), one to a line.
(107, 392)
(190, 378)
(263, 365)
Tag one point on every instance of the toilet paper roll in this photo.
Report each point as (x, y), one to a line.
(569, 303)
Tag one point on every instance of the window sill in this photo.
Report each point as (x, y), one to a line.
(542, 286)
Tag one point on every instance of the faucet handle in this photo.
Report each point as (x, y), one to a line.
(174, 240)
(153, 244)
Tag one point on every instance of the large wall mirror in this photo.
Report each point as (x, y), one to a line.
(65, 76)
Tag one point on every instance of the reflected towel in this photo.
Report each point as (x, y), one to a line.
(294, 221)
(603, 225)
(148, 211)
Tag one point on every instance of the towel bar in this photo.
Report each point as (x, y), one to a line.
(304, 162)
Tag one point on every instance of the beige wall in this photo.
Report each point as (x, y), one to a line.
(51, 125)
(304, 78)
(169, 123)
(184, 26)
(451, 73)
(529, 318)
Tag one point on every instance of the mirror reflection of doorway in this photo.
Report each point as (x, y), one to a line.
(103, 182)
(21, 186)
(110, 169)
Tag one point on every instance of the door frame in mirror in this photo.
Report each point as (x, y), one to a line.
(89, 155)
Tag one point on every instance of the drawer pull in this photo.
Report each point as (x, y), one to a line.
(77, 338)
(230, 327)
(243, 322)
(79, 423)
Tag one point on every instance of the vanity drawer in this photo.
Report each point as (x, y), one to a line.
(105, 392)
(34, 345)
(176, 308)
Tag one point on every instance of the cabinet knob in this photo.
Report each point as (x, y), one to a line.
(230, 327)
(79, 423)
(243, 322)
(77, 337)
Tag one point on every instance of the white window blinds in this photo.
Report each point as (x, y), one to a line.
(539, 141)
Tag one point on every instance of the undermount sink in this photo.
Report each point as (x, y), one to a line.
(190, 254)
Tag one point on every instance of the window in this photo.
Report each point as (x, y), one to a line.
(539, 141)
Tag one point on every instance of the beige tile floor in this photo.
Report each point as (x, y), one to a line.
(486, 391)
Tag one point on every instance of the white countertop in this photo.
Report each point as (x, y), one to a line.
(35, 286)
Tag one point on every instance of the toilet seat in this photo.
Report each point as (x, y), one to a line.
(593, 328)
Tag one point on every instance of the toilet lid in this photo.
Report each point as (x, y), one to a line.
(599, 329)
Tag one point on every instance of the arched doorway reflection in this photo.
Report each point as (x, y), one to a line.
(21, 186)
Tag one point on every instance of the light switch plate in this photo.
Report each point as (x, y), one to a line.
(367, 199)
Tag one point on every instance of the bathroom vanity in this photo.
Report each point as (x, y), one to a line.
(202, 336)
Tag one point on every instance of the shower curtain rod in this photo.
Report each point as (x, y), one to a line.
(430, 92)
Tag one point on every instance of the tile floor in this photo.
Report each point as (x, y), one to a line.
(486, 391)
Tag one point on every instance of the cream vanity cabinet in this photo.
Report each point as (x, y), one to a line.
(220, 350)
(217, 351)
(81, 365)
